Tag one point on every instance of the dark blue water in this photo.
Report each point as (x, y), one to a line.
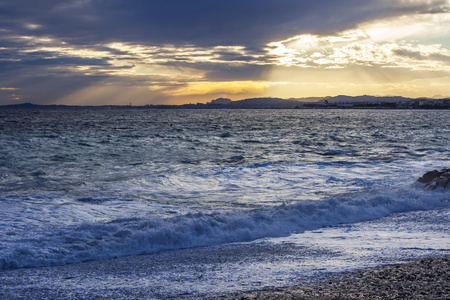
(95, 184)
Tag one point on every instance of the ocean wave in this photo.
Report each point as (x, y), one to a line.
(432, 150)
(136, 236)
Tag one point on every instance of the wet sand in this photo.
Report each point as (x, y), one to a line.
(125, 279)
(423, 279)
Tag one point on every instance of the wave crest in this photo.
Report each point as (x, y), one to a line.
(134, 236)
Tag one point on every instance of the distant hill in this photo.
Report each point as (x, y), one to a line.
(364, 98)
(341, 101)
(252, 103)
(38, 106)
(264, 103)
(22, 105)
(220, 101)
(299, 102)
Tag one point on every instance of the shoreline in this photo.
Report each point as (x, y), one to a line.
(125, 278)
(415, 266)
(421, 279)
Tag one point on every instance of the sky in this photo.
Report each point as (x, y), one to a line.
(117, 52)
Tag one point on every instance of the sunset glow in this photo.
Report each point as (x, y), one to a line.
(383, 48)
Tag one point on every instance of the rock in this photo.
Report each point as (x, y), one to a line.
(436, 179)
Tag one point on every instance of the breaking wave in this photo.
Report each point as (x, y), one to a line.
(136, 236)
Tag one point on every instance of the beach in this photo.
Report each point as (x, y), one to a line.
(224, 150)
(125, 278)
(422, 279)
(124, 204)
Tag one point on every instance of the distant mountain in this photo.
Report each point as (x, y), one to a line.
(308, 99)
(341, 101)
(39, 106)
(251, 103)
(364, 98)
(22, 105)
(220, 101)
(264, 103)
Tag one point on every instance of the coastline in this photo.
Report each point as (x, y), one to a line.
(125, 278)
(421, 279)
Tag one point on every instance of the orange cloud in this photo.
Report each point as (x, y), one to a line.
(226, 87)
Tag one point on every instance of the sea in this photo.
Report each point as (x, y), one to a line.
(250, 199)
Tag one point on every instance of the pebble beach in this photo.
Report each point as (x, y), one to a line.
(114, 279)
(251, 204)
(422, 279)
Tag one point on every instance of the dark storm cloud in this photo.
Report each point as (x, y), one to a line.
(47, 88)
(52, 48)
(78, 61)
(42, 82)
(199, 22)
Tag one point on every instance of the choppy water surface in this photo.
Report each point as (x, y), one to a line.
(96, 184)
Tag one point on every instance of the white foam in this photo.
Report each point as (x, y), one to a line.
(135, 236)
(119, 183)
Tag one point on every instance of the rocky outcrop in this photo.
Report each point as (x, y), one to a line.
(435, 179)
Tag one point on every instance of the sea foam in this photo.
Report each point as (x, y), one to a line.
(136, 236)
